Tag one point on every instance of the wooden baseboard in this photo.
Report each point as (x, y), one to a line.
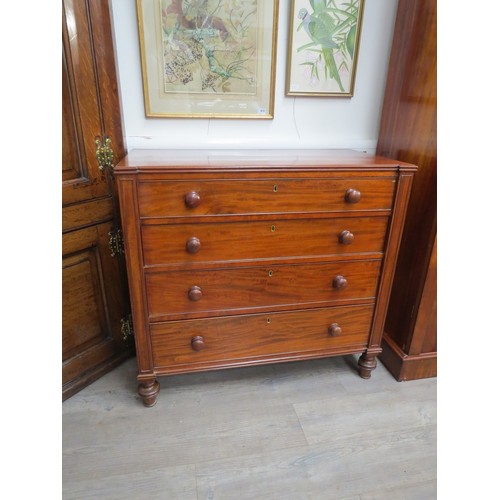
(405, 366)
(76, 385)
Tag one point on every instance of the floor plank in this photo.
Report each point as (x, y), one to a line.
(167, 483)
(405, 406)
(303, 430)
(421, 491)
(335, 470)
(123, 436)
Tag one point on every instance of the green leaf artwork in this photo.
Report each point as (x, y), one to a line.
(209, 46)
(323, 46)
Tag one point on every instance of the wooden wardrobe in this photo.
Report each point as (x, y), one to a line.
(408, 133)
(95, 304)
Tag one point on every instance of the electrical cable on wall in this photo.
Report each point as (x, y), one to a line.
(294, 119)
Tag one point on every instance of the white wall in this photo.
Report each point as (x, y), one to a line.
(299, 122)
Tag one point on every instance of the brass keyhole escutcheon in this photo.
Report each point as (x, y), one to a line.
(273, 228)
(270, 272)
(268, 320)
(275, 188)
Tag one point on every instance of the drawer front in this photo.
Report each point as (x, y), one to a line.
(236, 241)
(239, 289)
(221, 340)
(238, 197)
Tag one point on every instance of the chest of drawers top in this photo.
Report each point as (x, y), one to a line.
(177, 161)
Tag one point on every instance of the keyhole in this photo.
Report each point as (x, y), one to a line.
(270, 273)
(275, 188)
(273, 228)
(268, 320)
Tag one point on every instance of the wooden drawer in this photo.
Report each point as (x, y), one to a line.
(256, 337)
(240, 289)
(239, 241)
(238, 197)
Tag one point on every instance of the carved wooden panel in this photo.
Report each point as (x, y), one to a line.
(82, 179)
(84, 321)
(72, 160)
(93, 302)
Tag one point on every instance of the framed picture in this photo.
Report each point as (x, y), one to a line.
(323, 47)
(208, 58)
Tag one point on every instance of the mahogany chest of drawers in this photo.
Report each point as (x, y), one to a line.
(238, 258)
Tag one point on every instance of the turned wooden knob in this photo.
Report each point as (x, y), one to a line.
(339, 283)
(195, 293)
(192, 199)
(352, 196)
(346, 237)
(197, 343)
(193, 245)
(334, 330)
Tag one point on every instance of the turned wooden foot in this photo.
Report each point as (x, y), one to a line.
(366, 363)
(149, 392)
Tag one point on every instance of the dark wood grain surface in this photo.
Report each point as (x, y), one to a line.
(134, 258)
(241, 289)
(81, 114)
(95, 295)
(408, 132)
(229, 241)
(241, 258)
(278, 160)
(257, 336)
(167, 199)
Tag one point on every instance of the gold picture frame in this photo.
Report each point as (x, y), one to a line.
(323, 47)
(208, 58)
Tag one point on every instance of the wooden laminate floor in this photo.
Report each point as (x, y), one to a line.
(304, 430)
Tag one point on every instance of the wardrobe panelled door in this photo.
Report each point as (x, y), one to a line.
(95, 304)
